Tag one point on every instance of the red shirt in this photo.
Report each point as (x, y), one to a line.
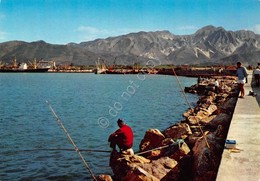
(123, 137)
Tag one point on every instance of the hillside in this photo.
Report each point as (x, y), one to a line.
(209, 45)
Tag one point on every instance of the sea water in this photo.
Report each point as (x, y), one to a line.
(88, 105)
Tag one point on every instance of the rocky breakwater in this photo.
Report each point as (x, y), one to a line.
(190, 149)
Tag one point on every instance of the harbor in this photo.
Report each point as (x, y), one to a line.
(140, 90)
(212, 108)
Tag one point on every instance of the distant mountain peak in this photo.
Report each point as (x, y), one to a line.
(209, 44)
(208, 29)
(39, 41)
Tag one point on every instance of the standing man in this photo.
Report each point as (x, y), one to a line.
(123, 138)
(257, 75)
(216, 86)
(242, 78)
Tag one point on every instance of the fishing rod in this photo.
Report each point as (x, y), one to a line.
(72, 142)
(66, 149)
(178, 142)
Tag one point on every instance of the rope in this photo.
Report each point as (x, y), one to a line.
(178, 142)
(182, 90)
(72, 142)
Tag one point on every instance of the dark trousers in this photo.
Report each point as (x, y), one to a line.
(216, 89)
(257, 80)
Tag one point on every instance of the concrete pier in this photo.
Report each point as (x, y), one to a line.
(243, 163)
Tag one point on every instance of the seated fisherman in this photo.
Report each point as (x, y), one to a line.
(123, 138)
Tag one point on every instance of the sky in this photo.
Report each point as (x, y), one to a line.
(66, 21)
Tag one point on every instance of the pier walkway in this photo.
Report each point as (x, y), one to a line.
(243, 165)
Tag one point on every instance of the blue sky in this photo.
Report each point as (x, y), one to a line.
(65, 21)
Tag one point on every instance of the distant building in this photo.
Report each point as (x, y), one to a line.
(232, 67)
(185, 67)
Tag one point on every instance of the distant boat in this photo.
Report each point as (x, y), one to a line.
(100, 68)
(23, 68)
(27, 70)
(42, 66)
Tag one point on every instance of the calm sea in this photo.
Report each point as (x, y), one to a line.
(88, 105)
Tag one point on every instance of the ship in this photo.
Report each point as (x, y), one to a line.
(101, 68)
(41, 66)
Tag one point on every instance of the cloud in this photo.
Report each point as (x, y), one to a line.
(256, 28)
(88, 33)
(89, 29)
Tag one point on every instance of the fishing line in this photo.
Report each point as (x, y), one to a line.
(72, 142)
(66, 149)
(197, 121)
(177, 142)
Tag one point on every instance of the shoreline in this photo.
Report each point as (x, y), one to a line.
(179, 72)
(198, 156)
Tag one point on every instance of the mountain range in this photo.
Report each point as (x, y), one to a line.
(208, 46)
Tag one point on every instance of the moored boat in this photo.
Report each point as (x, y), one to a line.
(24, 70)
(41, 66)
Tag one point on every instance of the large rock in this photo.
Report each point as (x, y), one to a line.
(122, 165)
(206, 160)
(136, 159)
(226, 88)
(211, 109)
(192, 139)
(188, 113)
(206, 100)
(152, 139)
(202, 114)
(201, 88)
(137, 168)
(222, 119)
(193, 120)
(192, 89)
(136, 173)
(159, 168)
(212, 94)
(207, 111)
(206, 120)
(178, 131)
(221, 98)
(157, 152)
(104, 178)
(229, 105)
(177, 152)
